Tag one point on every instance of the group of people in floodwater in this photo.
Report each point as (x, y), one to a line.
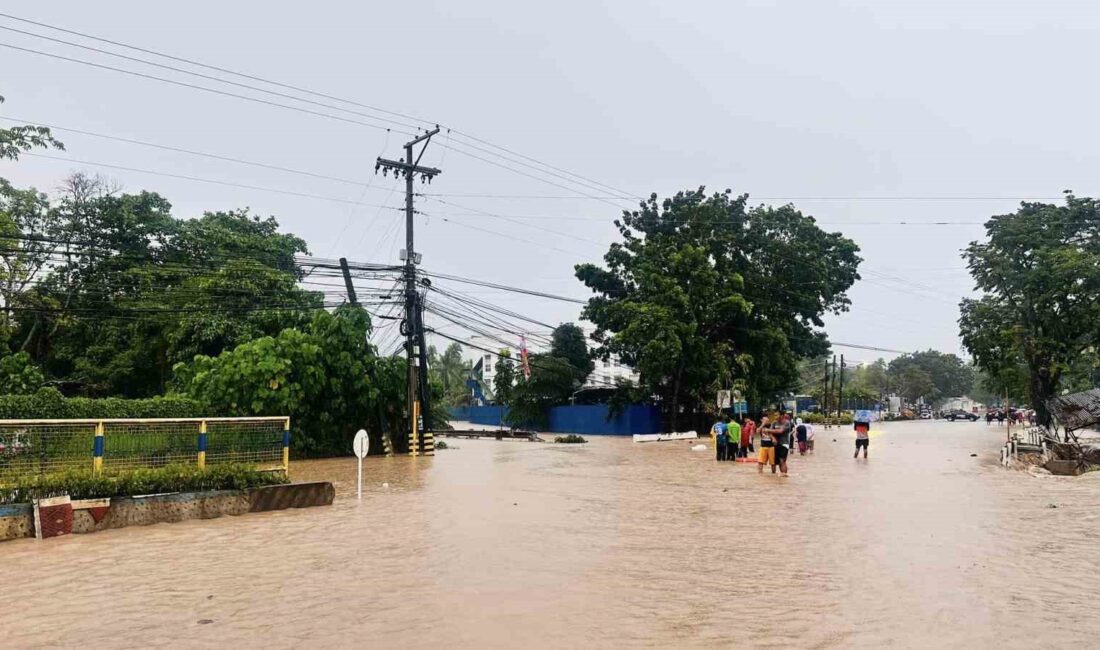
(1014, 416)
(734, 439)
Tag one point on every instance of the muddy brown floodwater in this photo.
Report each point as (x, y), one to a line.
(609, 544)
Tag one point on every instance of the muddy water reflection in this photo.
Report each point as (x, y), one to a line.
(507, 544)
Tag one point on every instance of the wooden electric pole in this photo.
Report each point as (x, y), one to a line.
(412, 327)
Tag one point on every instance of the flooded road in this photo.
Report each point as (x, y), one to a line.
(609, 544)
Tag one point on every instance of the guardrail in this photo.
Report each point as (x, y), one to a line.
(30, 447)
(1033, 437)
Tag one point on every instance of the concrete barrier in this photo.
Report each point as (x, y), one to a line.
(1064, 467)
(94, 515)
(295, 495)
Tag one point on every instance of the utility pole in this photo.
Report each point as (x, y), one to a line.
(412, 327)
(827, 409)
(840, 391)
(352, 298)
(825, 392)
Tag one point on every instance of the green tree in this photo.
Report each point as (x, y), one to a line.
(552, 381)
(326, 377)
(703, 294)
(914, 382)
(28, 228)
(19, 375)
(19, 139)
(451, 371)
(568, 342)
(504, 379)
(950, 375)
(874, 377)
(141, 290)
(1039, 270)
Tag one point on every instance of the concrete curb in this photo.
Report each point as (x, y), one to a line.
(93, 515)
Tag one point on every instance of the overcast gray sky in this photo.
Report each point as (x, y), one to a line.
(874, 103)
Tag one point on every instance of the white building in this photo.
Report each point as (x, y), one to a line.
(962, 404)
(604, 375)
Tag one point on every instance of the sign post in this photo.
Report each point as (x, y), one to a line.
(361, 445)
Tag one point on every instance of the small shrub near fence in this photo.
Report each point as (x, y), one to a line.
(87, 484)
(50, 404)
(818, 418)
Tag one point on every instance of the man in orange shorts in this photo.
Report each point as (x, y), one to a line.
(767, 448)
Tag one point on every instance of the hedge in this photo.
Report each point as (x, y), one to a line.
(818, 418)
(86, 484)
(50, 404)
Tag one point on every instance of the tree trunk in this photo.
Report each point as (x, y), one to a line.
(1041, 386)
(676, 395)
(30, 335)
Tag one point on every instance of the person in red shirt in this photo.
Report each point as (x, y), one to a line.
(748, 429)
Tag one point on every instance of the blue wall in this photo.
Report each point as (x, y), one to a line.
(489, 415)
(590, 420)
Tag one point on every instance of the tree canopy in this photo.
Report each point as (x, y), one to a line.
(568, 342)
(325, 374)
(19, 139)
(107, 291)
(704, 293)
(942, 376)
(450, 371)
(1039, 271)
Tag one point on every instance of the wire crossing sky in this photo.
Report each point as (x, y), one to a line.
(903, 125)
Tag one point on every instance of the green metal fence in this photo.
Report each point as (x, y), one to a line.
(30, 447)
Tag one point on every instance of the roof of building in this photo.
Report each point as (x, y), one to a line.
(1076, 410)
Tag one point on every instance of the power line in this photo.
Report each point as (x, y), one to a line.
(199, 179)
(494, 285)
(184, 84)
(191, 152)
(762, 198)
(475, 212)
(210, 67)
(467, 136)
(584, 182)
(205, 76)
(488, 231)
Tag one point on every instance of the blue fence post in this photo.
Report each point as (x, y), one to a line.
(98, 448)
(202, 445)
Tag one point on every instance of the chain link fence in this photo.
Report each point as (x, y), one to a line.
(36, 447)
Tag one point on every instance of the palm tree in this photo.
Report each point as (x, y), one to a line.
(451, 370)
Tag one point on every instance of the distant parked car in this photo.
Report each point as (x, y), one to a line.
(959, 414)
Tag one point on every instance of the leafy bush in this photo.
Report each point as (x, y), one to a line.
(326, 377)
(86, 484)
(441, 444)
(571, 439)
(818, 418)
(49, 404)
(19, 375)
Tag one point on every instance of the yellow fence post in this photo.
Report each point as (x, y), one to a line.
(286, 446)
(202, 445)
(98, 448)
(414, 434)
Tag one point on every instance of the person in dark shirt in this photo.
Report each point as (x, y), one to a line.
(783, 443)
